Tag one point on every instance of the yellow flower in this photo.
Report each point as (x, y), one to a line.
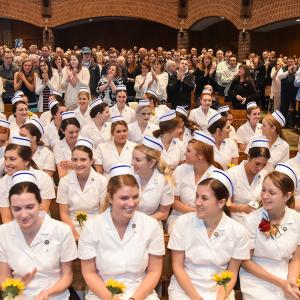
(223, 278)
(81, 217)
(298, 282)
(12, 287)
(30, 114)
(230, 165)
(115, 287)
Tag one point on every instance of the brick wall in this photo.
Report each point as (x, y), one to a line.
(164, 12)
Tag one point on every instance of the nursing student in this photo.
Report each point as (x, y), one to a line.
(83, 189)
(154, 178)
(198, 166)
(206, 242)
(225, 151)
(68, 133)
(247, 178)
(41, 155)
(34, 247)
(122, 243)
(18, 157)
(274, 232)
(98, 129)
(142, 126)
(170, 129)
(252, 126)
(116, 151)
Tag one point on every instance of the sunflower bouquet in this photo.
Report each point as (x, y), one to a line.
(223, 279)
(115, 287)
(12, 288)
(81, 217)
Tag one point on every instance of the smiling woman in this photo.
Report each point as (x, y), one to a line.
(122, 243)
(43, 250)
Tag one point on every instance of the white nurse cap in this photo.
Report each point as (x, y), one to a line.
(95, 102)
(38, 125)
(287, 169)
(121, 87)
(16, 99)
(144, 102)
(260, 141)
(52, 103)
(83, 89)
(182, 110)
(19, 93)
(223, 177)
(21, 141)
(251, 104)
(57, 93)
(67, 115)
(214, 119)
(279, 117)
(153, 143)
(117, 118)
(23, 176)
(223, 108)
(204, 137)
(85, 142)
(4, 123)
(206, 92)
(153, 93)
(167, 116)
(120, 169)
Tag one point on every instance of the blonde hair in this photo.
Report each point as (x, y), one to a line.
(161, 166)
(273, 122)
(85, 93)
(114, 184)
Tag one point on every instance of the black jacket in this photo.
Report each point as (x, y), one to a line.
(94, 77)
(179, 92)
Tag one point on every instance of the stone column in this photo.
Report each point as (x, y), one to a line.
(48, 37)
(6, 37)
(244, 45)
(183, 39)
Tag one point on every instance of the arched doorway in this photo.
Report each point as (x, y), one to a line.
(215, 33)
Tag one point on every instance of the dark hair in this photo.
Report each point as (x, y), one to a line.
(64, 125)
(118, 70)
(84, 149)
(33, 130)
(115, 124)
(49, 72)
(14, 107)
(285, 184)
(167, 126)
(24, 152)
(98, 109)
(218, 124)
(188, 123)
(160, 61)
(255, 152)
(219, 189)
(25, 187)
(54, 109)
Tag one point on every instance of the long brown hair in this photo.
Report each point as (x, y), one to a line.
(30, 76)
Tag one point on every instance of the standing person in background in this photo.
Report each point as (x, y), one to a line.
(45, 82)
(276, 85)
(133, 69)
(93, 69)
(288, 91)
(7, 72)
(75, 76)
(297, 85)
(181, 85)
(140, 80)
(24, 80)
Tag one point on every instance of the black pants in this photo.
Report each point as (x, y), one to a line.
(287, 100)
